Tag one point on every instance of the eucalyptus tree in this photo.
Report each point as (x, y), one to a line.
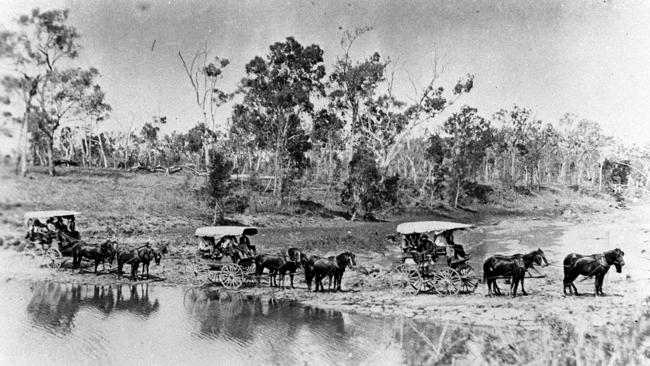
(48, 93)
(204, 73)
(278, 92)
(468, 137)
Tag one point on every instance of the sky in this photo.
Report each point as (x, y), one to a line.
(585, 57)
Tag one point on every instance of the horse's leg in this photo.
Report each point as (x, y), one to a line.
(96, 265)
(513, 285)
(568, 282)
(523, 291)
(497, 290)
(134, 271)
(291, 274)
(281, 280)
(309, 276)
(319, 279)
(599, 284)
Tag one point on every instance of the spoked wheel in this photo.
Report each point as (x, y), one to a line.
(33, 253)
(406, 279)
(196, 272)
(469, 279)
(231, 276)
(52, 259)
(447, 281)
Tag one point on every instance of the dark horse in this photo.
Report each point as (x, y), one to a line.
(273, 262)
(294, 259)
(157, 256)
(308, 266)
(134, 257)
(333, 267)
(514, 266)
(97, 253)
(591, 265)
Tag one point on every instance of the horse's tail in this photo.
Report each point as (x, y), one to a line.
(487, 269)
(568, 263)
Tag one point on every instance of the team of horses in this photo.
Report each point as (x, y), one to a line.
(514, 267)
(317, 268)
(110, 251)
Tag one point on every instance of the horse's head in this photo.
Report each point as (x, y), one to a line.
(346, 259)
(615, 257)
(109, 249)
(304, 259)
(540, 258)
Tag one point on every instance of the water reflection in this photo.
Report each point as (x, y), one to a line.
(244, 320)
(54, 306)
(81, 324)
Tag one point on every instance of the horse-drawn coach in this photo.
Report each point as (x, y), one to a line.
(431, 261)
(51, 236)
(216, 243)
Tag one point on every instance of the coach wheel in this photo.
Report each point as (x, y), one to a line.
(447, 282)
(196, 272)
(52, 259)
(231, 276)
(469, 279)
(406, 280)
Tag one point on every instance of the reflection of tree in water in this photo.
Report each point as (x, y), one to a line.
(241, 318)
(53, 306)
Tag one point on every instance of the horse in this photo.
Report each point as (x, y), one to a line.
(333, 267)
(156, 257)
(97, 253)
(308, 266)
(295, 259)
(591, 265)
(270, 261)
(134, 257)
(514, 266)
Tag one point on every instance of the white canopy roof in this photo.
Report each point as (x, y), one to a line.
(219, 231)
(48, 214)
(430, 226)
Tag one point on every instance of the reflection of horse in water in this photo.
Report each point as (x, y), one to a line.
(54, 306)
(138, 302)
(234, 316)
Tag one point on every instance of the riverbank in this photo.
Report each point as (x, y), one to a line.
(573, 324)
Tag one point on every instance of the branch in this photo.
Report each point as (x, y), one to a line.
(189, 75)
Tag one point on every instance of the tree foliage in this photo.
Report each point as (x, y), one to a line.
(277, 95)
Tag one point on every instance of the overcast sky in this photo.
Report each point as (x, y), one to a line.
(585, 57)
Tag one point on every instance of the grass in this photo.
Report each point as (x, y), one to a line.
(167, 209)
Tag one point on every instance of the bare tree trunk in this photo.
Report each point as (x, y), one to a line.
(50, 156)
(600, 176)
(457, 193)
(218, 213)
(25, 145)
(206, 150)
(101, 150)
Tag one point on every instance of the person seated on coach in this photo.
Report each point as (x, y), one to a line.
(245, 242)
(445, 241)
